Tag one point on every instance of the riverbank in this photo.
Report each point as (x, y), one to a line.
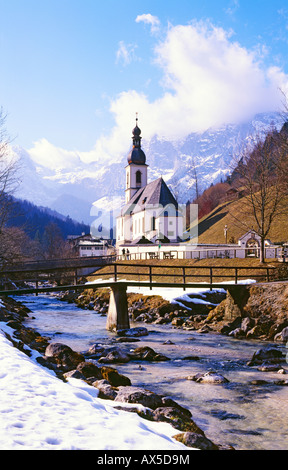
(108, 388)
(26, 359)
(41, 412)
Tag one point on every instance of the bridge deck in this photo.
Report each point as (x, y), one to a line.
(57, 265)
(81, 287)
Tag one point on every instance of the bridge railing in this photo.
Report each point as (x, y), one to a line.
(224, 252)
(184, 274)
(57, 264)
(153, 275)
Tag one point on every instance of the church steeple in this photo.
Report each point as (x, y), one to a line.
(136, 155)
(136, 170)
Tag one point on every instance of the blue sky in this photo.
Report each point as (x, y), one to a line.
(75, 72)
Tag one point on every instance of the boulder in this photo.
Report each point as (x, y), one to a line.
(167, 401)
(198, 441)
(74, 374)
(106, 390)
(282, 336)
(64, 356)
(237, 333)
(210, 378)
(145, 353)
(95, 351)
(246, 324)
(133, 332)
(128, 339)
(177, 321)
(266, 354)
(268, 367)
(114, 355)
(114, 378)
(32, 338)
(176, 418)
(139, 395)
(281, 382)
(89, 369)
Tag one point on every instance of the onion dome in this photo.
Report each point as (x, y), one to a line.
(137, 155)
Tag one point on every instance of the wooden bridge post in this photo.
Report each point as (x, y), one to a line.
(118, 318)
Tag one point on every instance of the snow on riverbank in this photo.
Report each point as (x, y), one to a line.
(171, 293)
(40, 412)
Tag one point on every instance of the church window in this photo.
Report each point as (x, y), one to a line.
(138, 177)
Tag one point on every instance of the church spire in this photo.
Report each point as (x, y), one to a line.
(136, 135)
(137, 155)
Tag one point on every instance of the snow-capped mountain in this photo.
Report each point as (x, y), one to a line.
(82, 192)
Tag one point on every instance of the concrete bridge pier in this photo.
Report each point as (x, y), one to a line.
(118, 318)
(237, 297)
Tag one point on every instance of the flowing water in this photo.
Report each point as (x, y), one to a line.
(240, 414)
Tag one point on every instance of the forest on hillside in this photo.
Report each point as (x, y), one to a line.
(275, 144)
(29, 232)
(34, 220)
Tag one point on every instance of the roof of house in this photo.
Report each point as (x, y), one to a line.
(155, 194)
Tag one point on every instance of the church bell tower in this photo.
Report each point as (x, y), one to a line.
(136, 170)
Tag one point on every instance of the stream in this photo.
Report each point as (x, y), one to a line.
(238, 413)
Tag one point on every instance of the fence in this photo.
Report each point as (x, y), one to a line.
(183, 274)
(199, 253)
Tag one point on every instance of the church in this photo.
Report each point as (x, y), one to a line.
(151, 214)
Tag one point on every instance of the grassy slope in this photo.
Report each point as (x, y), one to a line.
(211, 227)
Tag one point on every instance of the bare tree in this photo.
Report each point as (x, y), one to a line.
(53, 244)
(264, 187)
(281, 148)
(8, 184)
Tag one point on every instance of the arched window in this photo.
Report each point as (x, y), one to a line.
(252, 248)
(138, 177)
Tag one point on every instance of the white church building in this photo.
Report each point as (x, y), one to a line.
(151, 214)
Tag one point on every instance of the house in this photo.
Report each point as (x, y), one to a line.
(86, 245)
(151, 212)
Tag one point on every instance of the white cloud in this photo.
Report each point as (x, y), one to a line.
(208, 79)
(50, 156)
(125, 53)
(153, 21)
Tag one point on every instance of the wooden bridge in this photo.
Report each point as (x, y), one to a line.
(138, 275)
(41, 270)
